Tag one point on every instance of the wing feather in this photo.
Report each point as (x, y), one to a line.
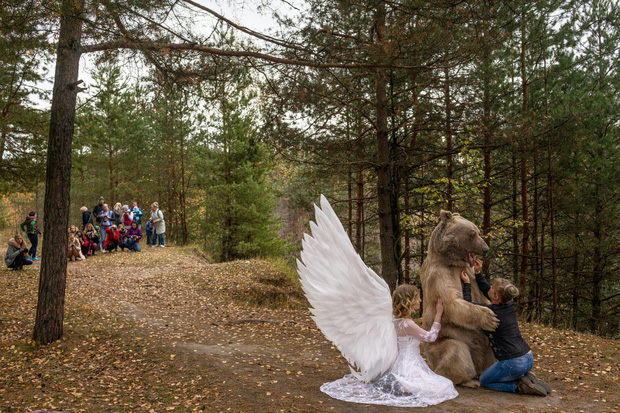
(351, 304)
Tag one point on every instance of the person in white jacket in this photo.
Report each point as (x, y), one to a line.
(159, 224)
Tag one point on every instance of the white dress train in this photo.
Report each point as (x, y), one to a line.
(408, 383)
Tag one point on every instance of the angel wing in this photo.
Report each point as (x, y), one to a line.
(351, 304)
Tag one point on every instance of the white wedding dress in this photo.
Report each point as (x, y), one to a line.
(352, 306)
(408, 383)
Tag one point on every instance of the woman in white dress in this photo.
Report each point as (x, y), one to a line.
(409, 382)
(372, 328)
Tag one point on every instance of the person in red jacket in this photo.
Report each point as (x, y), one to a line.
(111, 239)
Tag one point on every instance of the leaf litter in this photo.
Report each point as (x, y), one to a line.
(163, 330)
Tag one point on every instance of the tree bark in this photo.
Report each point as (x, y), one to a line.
(389, 270)
(52, 281)
(524, 180)
(448, 131)
(486, 133)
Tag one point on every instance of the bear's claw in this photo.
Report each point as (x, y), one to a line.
(489, 320)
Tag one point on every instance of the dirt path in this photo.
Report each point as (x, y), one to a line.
(159, 331)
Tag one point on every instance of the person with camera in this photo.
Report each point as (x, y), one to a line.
(17, 253)
(111, 239)
(106, 218)
(92, 237)
(32, 231)
(134, 234)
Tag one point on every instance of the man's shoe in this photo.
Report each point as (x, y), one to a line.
(36, 259)
(529, 385)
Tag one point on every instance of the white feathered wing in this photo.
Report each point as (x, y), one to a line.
(351, 304)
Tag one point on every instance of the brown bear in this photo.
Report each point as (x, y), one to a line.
(461, 351)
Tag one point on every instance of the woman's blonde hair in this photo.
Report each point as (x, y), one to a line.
(118, 205)
(83, 209)
(403, 299)
(89, 227)
(505, 290)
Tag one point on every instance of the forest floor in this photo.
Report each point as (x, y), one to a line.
(164, 330)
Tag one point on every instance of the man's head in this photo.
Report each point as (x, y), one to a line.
(101, 200)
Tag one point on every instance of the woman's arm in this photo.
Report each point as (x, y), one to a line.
(412, 329)
(466, 286)
(482, 282)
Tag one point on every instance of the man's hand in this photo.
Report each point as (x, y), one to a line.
(477, 266)
(465, 277)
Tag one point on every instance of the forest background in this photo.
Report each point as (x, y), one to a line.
(506, 112)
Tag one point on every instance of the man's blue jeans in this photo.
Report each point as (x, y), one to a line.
(504, 375)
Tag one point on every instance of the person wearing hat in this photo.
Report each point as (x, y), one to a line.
(159, 224)
(32, 231)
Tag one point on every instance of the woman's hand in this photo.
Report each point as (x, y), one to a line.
(465, 277)
(477, 266)
(439, 309)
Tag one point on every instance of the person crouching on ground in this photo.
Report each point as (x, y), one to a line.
(122, 235)
(74, 247)
(111, 239)
(73, 230)
(92, 236)
(511, 373)
(134, 234)
(17, 253)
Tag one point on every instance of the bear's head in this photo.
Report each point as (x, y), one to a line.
(455, 240)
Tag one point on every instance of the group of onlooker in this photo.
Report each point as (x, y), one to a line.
(102, 230)
(121, 227)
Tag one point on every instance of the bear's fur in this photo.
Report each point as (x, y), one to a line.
(461, 351)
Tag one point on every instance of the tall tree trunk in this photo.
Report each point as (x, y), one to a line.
(359, 212)
(182, 205)
(554, 261)
(536, 257)
(48, 325)
(448, 132)
(350, 202)
(597, 261)
(515, 220)
(389, 270)
(524, 180)
(407, 234)
(486, 133)
(111, 175)
(575, 282)
(395, 170)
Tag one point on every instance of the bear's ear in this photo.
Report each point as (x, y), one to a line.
(445, 216)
